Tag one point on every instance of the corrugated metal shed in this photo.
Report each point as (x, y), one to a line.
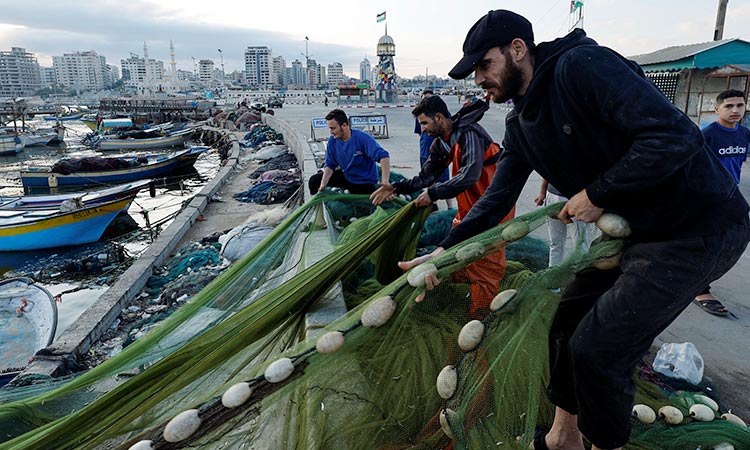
(699, 56)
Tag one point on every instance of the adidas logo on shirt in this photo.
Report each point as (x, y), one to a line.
(736, 150)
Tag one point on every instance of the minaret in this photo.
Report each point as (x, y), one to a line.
(148, 67)
(172, 62)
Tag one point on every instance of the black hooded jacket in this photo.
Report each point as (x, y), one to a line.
(591, 120)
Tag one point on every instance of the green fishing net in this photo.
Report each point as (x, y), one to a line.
(256, 329)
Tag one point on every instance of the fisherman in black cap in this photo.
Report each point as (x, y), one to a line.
(589, 121)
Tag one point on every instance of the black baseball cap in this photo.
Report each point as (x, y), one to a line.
(496, 29)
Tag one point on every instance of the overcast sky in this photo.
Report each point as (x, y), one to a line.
(428, 34)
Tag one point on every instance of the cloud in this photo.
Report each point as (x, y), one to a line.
(114, 29)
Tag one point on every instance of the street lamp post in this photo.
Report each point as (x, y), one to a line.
(307, 71)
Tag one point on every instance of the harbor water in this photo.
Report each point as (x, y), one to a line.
(81, 273)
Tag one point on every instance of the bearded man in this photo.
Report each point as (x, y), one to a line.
(588, 121)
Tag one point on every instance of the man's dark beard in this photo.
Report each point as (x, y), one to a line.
(511, 79)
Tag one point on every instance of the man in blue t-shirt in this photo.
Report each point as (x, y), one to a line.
(350, 159)
(729, 141)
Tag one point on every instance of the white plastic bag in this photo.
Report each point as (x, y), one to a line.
(681, 361)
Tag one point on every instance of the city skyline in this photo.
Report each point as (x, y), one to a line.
(428, 39)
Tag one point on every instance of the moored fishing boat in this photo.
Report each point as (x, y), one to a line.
(38, 136)
(64, 118)
(22, 230)
(122, 169)
(113, 143)
(90, 198)
(10, 144)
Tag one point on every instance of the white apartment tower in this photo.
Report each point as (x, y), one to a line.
(277, 76)
(335, 74)
(19, 73)
(83, 71)
(258, 65)
(365, 71)
(48, 76)
(145, 71)
(206, 70)
(298, 74)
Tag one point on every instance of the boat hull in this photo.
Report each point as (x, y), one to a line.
(73, 228)
(10, 145)
(141, 144)
(97, 197)
(43, 178)
(67, 118)
(26, 330)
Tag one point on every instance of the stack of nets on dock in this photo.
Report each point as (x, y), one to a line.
(243, 366)
(261, 134)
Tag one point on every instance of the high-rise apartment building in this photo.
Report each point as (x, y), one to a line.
(206, 71)
(19, 73)
(298, 74)
(277, 73)
(365, 71)
(335, 74)
(48, 76)
(258, 65)
(142, 70)
(83, 71)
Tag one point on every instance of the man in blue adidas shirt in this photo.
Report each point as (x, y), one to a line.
(350, 159)
(728, 140)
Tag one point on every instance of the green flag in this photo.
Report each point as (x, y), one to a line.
(575, 4)
(381, 17)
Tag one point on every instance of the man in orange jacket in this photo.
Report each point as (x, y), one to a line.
(462, 142)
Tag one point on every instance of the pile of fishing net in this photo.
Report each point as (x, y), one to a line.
(261, 134)
(272, 186)
(283, 162)
(246, 364)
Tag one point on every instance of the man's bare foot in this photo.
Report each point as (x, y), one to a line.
(564, 434)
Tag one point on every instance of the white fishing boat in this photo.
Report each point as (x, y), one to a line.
(28, 321)
(10, 144)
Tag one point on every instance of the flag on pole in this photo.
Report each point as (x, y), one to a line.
(381, 17)
(575, 4)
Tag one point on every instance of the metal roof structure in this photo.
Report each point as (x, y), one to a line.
(700, 56)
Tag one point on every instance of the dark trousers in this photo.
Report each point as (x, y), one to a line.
(608, 320)
(339, 180)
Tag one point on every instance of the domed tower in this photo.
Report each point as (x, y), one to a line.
(386, 47)
(385, 85)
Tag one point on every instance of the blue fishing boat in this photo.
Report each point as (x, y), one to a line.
(28, 321)
(56, 227)
(89, 198)
(124, 169)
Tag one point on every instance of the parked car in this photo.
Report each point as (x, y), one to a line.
(275, 102)
(258, 105)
